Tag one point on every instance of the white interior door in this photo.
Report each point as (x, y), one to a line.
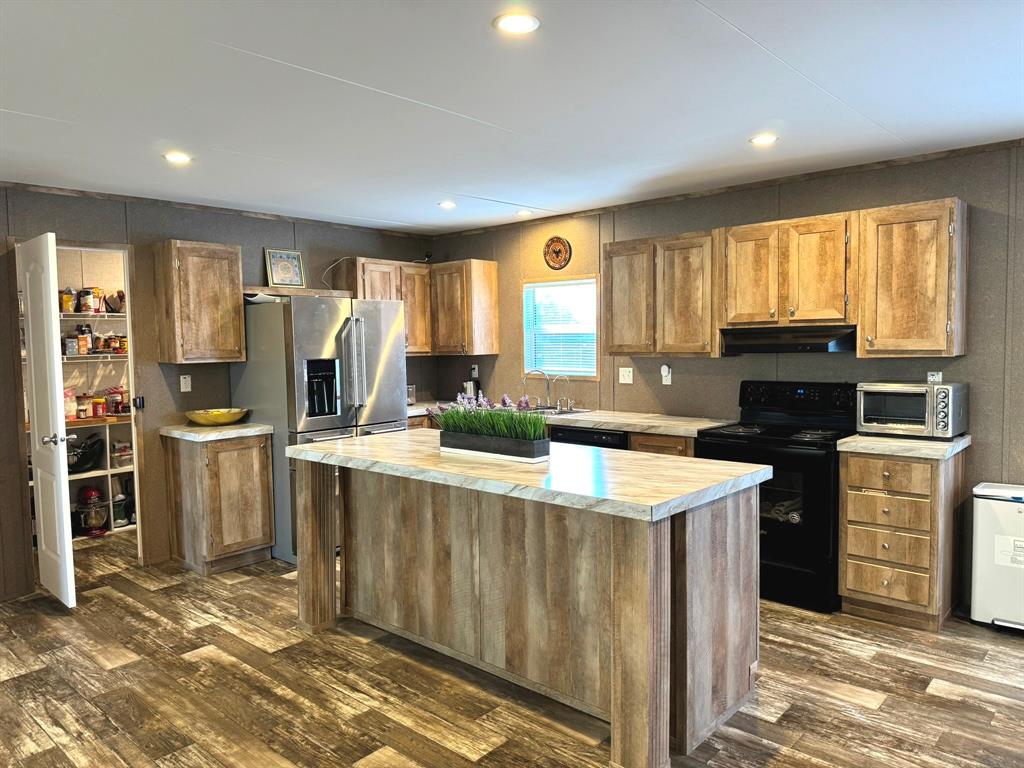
(45, 381)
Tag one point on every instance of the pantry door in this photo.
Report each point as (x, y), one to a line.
(44, 380)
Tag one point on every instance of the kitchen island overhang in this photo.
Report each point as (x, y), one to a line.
(624, 584)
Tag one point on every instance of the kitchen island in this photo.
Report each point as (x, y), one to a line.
(623, 584)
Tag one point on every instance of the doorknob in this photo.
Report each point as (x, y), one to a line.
(51, 440)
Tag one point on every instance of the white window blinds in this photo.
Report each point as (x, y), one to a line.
(560, 327)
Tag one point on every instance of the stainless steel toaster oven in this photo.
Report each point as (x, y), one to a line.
(912, 409)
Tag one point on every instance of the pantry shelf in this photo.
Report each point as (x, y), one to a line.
(94, 358)
(93, 316)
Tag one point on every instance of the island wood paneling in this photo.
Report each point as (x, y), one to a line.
(716, 584)
(319, 515)
(545, 595)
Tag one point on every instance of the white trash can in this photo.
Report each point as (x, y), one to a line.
(997, 570)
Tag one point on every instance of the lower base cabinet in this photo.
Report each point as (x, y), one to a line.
(222, 502)
(667, 445)
(896, 530)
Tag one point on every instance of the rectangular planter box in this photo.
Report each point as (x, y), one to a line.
(507, 448)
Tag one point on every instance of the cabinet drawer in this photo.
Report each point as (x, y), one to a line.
(665, 444)
(883, 581)
(891, 546)
(889, 475)
(898, 511)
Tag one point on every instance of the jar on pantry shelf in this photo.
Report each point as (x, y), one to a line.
(99, 407)
(83, 406)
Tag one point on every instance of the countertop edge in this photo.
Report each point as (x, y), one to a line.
(686, 426)
(909, 448)
(644, 512)
(196, 433)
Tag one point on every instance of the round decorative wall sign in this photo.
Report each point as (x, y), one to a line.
(557, 252)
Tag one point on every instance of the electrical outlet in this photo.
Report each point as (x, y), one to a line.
(474, 371)
(934, 377)
(185, 383)
(666, 375)
(625, 375)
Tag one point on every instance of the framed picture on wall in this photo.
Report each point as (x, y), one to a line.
(284, 268)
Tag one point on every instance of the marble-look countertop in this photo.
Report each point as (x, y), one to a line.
(911, 448)
(420, 409)
(653, 423)
(200, 434)
(643, 486)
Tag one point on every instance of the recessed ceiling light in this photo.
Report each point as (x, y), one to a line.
(524, 212)
(176, 157)
(763, 139)
(446, 205)
(517, 23)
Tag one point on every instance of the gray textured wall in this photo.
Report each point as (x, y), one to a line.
(990, 181)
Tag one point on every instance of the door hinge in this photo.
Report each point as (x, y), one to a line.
(847, 238)
(949, 327)
(846, 298)
(952, 229)
(177, 264)
(206, 460)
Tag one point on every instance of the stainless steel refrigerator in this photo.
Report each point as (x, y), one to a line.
(319, 369)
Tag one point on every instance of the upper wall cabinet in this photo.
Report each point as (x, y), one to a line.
(628, 272)
(465, 307)
(199, 302)
(381, 279)
(682, 294)
(913, 280)
(798, 271)
(751, 274)
(817, 269)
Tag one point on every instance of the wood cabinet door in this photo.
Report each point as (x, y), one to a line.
(683, 295)
(905, 279)
(668, 445)
(813, 267)
(415, 292)
(448, 287)
(628, 310)
(379, 280)
(240, 495)
(209, 302)
(752, 274)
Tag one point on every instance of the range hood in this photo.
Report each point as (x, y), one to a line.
(830, 338)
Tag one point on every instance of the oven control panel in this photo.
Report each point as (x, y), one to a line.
(840, 397)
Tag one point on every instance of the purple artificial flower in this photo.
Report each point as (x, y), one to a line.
(506, 401)
(441, 407)
(483, 402)
(523, 404)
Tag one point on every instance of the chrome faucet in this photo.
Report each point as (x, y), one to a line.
(547, 382)
(551, 385)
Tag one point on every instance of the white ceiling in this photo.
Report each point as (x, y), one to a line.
(371, 112)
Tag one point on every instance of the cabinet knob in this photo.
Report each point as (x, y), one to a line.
(707, 344)
(792, 311)
(885, 545)
(771, 312)
(886, 475)
(885, 582)
(886, 511)
(871, 339)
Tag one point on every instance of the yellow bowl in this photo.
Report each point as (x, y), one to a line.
(216, 417)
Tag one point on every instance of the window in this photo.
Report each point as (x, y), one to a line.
(560, 327)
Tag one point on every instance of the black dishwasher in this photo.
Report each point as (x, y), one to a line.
(602, 438)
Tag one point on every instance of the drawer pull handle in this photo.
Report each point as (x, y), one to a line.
(886, 511)
(885, 545)
(885, 582)
(886, 475)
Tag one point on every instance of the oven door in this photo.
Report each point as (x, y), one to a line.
(895, 409)
(799, 518)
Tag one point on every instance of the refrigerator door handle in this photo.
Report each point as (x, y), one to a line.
(361, 340)
(348, 346)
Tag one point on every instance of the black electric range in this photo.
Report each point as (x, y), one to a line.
(794, 427)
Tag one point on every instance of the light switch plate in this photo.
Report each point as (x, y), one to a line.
(625, 375)
(474, 371)
(934, 377)
(185, 383)
(666, 375)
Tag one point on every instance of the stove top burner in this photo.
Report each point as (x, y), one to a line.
(816, 434)
(742, 429)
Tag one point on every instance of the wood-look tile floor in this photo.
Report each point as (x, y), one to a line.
(158, 667)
